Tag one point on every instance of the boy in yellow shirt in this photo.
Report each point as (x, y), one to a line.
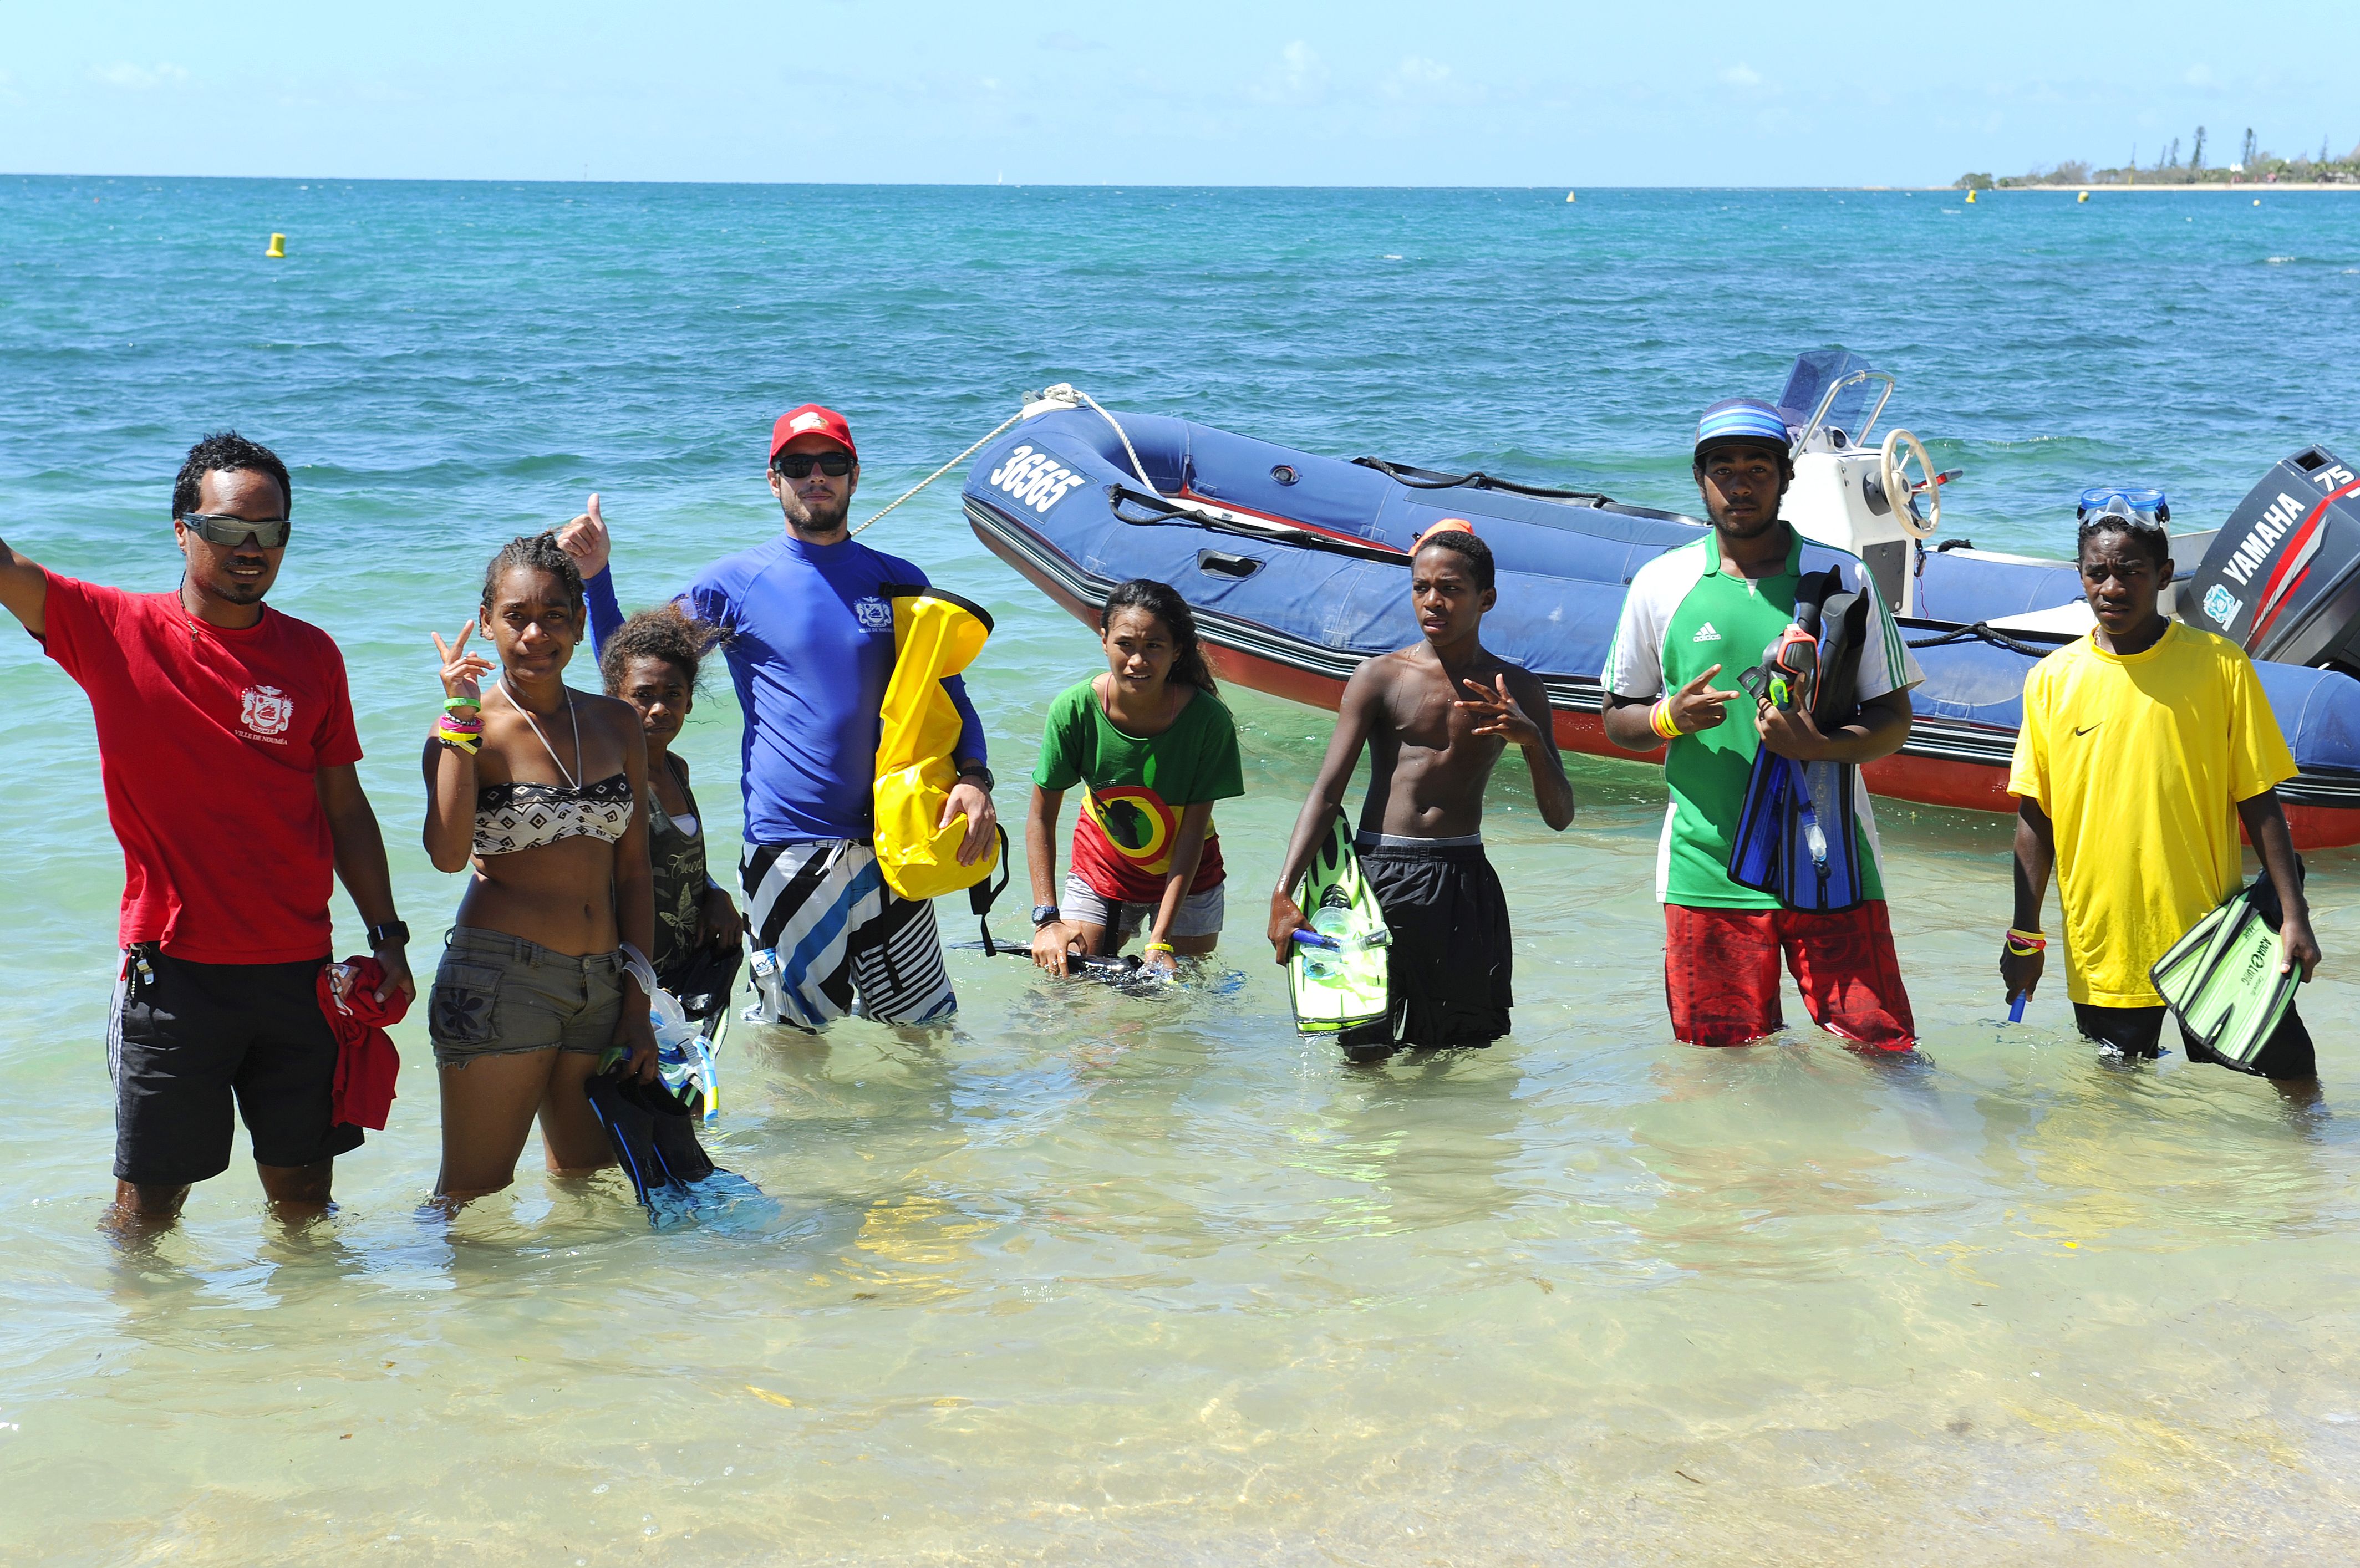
(2143, 745)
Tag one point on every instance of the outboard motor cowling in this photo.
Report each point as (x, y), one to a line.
(2282, 579)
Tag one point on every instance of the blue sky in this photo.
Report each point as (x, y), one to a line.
(1277, 93)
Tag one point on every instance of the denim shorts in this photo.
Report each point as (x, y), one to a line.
(1199, 913)
(496, 995)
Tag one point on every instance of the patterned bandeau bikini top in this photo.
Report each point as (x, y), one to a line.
(510, 817)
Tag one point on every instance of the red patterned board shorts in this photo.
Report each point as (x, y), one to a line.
(1721, 974)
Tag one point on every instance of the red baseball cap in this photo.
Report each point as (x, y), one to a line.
(810, 419)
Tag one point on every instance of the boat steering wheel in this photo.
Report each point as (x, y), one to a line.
(1893, 473)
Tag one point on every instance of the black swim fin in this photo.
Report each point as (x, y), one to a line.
(631, 1127)
(672, 1129)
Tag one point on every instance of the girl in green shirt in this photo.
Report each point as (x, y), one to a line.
(1152, 748)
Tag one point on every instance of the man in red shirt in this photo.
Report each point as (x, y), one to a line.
(227, 746)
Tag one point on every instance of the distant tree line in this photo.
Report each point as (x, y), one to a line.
(2256, 165)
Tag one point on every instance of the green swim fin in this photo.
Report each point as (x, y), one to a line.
(1343, 987)
(2175, 974)
(2222, 980)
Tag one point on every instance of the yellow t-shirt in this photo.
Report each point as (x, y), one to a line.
(2140, 762)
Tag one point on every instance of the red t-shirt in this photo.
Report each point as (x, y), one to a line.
(210, 742)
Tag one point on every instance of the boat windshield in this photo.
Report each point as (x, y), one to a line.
(1856, 406)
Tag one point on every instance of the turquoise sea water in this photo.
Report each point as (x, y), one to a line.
(1089, 1275)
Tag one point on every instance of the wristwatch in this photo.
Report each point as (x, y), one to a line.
(393, 932)
(1043, 914)
(978, 771)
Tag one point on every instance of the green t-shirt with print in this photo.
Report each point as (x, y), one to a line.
(1684, 613)
(1135, 786)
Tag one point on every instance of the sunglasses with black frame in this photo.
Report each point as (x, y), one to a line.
(799, 464)
(219, 527)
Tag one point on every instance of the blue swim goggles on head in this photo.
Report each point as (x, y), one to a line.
(2141, 508)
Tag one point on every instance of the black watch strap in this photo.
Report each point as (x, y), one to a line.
(1043, 914)
(977, 770)
(391, 933)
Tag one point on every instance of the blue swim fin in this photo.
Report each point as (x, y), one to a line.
(1797, 835)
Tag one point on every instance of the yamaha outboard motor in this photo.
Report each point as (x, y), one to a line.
(2282, 579)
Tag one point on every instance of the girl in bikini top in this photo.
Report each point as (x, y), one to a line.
(532, 992)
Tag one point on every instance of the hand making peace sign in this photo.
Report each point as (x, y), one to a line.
(463, 672)
(1497, 715)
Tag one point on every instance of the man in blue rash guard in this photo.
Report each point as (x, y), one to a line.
(810, 649)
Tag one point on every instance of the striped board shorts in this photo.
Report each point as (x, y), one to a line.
(831, 939)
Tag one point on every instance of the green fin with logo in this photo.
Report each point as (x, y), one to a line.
(2222, 980)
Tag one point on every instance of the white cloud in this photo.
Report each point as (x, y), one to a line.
(1418, 80)
(1305, 69)
(1742, 76)
(2198, 76)
(1301, 77)
(136, 78)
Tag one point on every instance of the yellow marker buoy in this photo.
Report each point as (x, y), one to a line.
(2083, 197)
(278, 247)
(2257, 200)
(1971, 198)
(1569, 195)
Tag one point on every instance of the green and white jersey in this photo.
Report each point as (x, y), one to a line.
(1684, 614)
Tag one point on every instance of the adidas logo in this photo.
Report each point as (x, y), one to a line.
(1706, 634)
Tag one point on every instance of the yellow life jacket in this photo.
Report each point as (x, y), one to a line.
(934, 634)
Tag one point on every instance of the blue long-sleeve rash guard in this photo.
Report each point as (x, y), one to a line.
(810, 650)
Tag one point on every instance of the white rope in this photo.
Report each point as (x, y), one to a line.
(1136, 466)
(945, 468)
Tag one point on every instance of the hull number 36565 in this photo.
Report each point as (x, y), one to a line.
(1034, 479)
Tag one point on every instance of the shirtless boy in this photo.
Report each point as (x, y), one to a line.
(1435, 717)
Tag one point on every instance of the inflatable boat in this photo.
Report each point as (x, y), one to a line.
(1296, 566)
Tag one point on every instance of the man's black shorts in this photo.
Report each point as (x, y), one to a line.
(188, 1040)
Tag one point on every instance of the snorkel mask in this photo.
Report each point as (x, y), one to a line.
(2139, 509)
(2139, 512)
(1789, 669)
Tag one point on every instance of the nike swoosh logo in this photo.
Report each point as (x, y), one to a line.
(2087, 728)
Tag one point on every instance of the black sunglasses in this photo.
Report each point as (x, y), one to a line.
(221, 529)
(798, 464)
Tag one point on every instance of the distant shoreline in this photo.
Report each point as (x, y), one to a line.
(2257, 188)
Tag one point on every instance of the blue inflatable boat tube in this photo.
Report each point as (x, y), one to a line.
(1295, 565)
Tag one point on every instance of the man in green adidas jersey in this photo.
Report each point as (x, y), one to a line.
(1689, 614)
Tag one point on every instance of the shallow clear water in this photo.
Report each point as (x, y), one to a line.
(1092, 1275)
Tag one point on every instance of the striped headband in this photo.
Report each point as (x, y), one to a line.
(1741, 420)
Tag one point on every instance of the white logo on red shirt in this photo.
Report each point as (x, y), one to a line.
(267, 713)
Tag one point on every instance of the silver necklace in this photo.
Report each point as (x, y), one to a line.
(571, 781)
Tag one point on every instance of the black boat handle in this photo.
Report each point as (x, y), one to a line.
(1220, 563)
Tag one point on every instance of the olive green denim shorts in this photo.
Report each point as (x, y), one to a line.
(496, 995)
